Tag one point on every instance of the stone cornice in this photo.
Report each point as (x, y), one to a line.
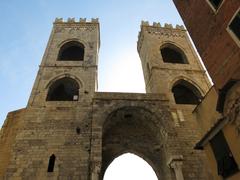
(130, 96)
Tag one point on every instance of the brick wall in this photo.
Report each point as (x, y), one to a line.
(220, 53)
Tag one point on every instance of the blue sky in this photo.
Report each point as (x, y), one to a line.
(26, 27)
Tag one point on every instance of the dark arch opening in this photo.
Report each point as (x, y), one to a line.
(71, 51)
(172, 54)
(132, 129)
(185, 93)
(51, 163)
(65, 89)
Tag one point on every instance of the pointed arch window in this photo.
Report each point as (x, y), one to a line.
(71, 51)
(51, 163)
(186, 93)
(64, 89)
(172, 54)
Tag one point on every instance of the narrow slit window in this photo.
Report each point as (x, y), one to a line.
(51, 163)
(78, 130)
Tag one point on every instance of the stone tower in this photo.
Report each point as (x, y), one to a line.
(56, 119)
(58, 63)
(70, 131)
(171, 67)
(168, 57)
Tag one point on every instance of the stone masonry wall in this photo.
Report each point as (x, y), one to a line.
(48, 131)
(152, 132)
(8, 133)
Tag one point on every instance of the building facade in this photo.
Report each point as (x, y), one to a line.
(70, 131)
(214, 26)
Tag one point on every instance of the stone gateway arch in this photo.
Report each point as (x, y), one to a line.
(68, 130)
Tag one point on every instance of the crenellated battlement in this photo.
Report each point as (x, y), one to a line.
(71, 25)
(158, 30)
(158, 25)
(72, 20)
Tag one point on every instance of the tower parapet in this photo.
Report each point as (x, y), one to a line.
(72, 25)
(73, 20)
(156, 29)
(166, 25)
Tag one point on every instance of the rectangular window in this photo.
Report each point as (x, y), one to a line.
(234, 26)
(226, 165)
(215, 3)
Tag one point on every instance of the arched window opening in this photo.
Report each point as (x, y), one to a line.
(71, 51)
(51, 163)
(173, 54)
(65, 89)
(128, 167)
(186, 93)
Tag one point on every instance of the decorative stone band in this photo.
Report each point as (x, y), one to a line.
(71, 26)
(72, 20)
(176, 162)
(157, 29)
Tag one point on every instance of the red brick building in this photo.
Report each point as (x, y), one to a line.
(214, 26)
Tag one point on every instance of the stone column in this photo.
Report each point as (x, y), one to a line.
(176, 163)
(95, 171)
(95, 176)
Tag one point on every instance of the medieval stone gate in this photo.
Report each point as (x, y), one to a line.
(70, 131)
(142, 124)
